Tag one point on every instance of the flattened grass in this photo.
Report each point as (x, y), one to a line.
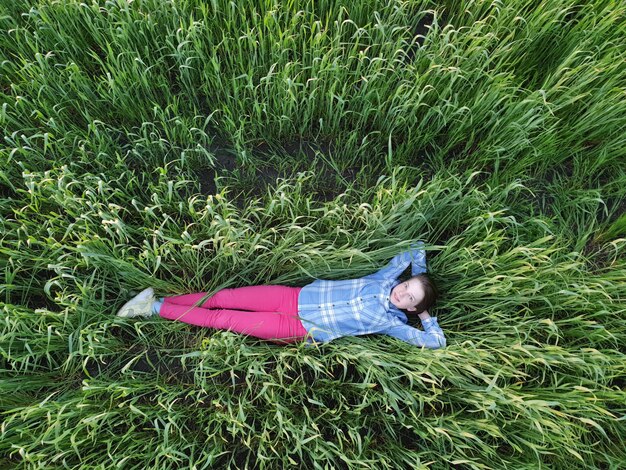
(493, 132)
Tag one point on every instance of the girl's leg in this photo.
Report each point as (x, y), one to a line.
(263, 298)
(185, 299)
(279, 327)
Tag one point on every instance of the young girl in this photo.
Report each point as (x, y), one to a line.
(322, 311)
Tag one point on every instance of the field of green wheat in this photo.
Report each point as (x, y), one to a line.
(194, 145)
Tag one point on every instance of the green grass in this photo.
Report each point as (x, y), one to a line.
(192, 146)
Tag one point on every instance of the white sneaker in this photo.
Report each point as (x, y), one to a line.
(140, 305)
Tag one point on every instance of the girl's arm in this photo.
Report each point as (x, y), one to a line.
(424, 315)
(432, 337)
(416, 256)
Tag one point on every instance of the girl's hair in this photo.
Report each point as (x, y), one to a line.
(431, 293)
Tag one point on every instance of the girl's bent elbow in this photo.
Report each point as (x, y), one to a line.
(434, 343)
(440, 343)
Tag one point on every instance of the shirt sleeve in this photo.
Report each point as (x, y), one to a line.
(432, 337)
(416, 256)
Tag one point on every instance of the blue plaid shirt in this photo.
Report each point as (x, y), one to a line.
(331, 309)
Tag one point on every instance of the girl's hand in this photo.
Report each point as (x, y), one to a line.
(424, 315)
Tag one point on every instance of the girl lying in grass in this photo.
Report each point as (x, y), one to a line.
(320, 311)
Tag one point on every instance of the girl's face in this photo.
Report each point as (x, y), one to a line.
(407, 294)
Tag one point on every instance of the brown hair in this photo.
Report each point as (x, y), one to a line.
(431, 293)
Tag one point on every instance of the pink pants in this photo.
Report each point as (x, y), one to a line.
(266, 312)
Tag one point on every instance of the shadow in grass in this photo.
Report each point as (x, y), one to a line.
(226, 162)
(421, 29)
(150, 362)
(273, 161)
(40, 300)
(300, 155)
(6, 192)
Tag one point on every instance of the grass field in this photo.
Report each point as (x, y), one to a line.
(194, 145)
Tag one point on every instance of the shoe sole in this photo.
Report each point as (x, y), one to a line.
(142, 309)
(138, 306)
